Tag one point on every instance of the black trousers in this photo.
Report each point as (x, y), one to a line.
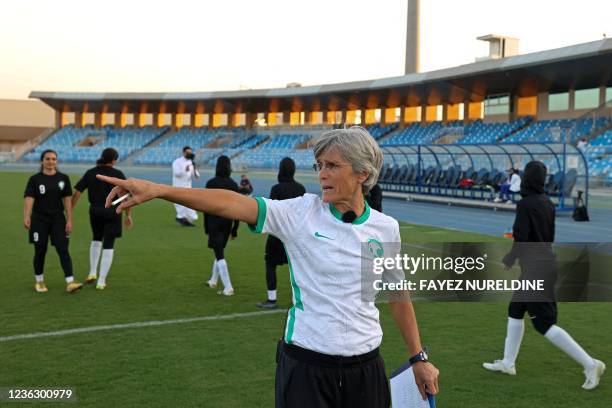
(308, 379)
(270, 275)
(39, 234)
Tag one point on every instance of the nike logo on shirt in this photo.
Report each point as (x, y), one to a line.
(316, 234)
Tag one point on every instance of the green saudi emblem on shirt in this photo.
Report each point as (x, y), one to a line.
(375, 247)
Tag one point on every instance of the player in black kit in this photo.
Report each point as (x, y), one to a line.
(275, 253)
(105, 222)
(534, 233)
(220, 229)
(46, 199)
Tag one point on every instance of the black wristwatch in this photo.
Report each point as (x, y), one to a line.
(420, 356)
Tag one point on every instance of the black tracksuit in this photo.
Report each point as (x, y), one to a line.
(47, 219)
(219, 229)
(105, 222)
(534, 232)
(286, 188)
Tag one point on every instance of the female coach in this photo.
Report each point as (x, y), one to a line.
(329, 353)
(105, 223)
(46, 198)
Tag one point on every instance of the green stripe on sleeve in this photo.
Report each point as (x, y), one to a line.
(261, 216)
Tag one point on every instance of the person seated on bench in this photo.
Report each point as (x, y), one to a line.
(512, 184)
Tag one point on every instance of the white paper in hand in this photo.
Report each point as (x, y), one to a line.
(404, 391)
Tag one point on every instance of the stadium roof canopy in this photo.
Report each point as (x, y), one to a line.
(579, 66)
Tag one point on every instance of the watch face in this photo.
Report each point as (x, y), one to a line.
(422, 356)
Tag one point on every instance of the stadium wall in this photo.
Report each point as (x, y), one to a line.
(22, 125)
(20, 113)
(21, 121)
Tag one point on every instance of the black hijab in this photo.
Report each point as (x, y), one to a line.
(224, 167)
(286, 170)
(533, 178)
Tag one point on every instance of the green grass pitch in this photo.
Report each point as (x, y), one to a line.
(159, 272)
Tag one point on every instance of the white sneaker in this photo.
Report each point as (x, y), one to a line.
(226, 292)
(594, 375)
(497, 200)
(498, 365)
(211, 284)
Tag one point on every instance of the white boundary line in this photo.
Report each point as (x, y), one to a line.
(151, 323)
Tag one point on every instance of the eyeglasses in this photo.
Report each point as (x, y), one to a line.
(329, 166)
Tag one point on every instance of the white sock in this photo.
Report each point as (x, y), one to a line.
(191, 216)
(215, 272)
(105, 264)
(272, 295)
(70, 279)
(94, 256)
(514, 337)
(565, 342)
(39, 278)
(224, 275)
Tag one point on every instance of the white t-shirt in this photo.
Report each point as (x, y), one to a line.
(325, 262)
(180, 176)
(515, 183)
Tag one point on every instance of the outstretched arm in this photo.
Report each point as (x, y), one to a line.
(223, 203)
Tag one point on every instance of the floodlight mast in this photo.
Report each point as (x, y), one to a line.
(413, 37)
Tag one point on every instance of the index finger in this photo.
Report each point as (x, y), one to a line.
(112, 180)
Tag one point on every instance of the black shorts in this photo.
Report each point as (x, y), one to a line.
(275, 251)
(41, 230)
(546, 311)
(305, 378)
(105, 222)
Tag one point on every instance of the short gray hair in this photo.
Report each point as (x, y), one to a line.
(357, 147)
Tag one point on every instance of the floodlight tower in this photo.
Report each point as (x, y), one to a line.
(412, 37)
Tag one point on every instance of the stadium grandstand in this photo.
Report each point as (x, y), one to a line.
(152, 325)
(438, 128)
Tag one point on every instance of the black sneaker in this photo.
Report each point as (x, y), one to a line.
(268, 304)
(184, 222)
